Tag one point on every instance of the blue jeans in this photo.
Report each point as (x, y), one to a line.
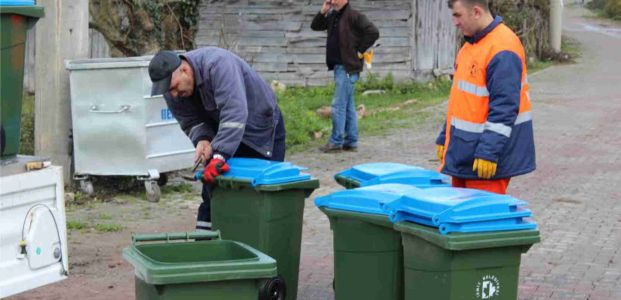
(344, 118)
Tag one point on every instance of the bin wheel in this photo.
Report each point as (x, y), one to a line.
(152, 191)
(273, 289)
(163, 180)
(86, 186)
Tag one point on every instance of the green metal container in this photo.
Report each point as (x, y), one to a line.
(368, 256)
(201, 269)
(266, 217)
(460, 266)
(14, 23)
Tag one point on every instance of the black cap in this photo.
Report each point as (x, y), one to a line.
(161, 67)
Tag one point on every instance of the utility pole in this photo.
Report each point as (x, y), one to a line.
(556, 24)
(61, 34)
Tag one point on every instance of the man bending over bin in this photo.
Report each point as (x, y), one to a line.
(223, 106)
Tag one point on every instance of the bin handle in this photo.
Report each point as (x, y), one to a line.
(95, 109)
(187, 236)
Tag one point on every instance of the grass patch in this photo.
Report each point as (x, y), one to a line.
(26, 142)
(397, 106)
(104, 227)
(76, 225)
(181, 188)
(105, 217)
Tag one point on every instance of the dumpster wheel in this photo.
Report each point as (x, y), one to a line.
(152, 191)
(273, 289)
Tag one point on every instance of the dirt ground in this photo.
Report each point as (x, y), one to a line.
(572, 262)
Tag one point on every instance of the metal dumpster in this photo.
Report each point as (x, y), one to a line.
(119, 128)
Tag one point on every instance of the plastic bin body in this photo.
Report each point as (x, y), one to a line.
(367, 256)
(118, 127)
(217, 269)
(382, 172)
(266, 217)
(14, 24)
(462, 265)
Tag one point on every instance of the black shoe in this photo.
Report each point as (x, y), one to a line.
(350, 148)
(330, 148)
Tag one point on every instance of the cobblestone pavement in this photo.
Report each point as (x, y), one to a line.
(574, 194)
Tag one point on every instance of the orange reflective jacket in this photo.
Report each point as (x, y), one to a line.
(489, 110)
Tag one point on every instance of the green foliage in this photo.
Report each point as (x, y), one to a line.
(180, 188)
(607, 8)
(393, 108)
(108, 227)
(76, 225)
(27, 125)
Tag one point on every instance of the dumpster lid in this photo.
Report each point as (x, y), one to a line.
(263, 172)
(386, 172)
(369, 199)
(108, 63)
(461, 210)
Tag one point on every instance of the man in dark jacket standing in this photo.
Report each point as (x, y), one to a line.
(350, 33)
(223, 106)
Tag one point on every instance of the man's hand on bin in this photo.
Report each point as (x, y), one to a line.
(216, 167)
(485, 169)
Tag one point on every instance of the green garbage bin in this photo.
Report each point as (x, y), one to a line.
(261, 203)
(167, 268)
(368, 255)
(459, 266)
(368, 174)
(14, 23)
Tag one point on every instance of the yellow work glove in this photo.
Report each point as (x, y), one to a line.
(367, 56)
(440, 151)
(485, 169)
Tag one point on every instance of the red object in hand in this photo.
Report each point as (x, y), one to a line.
(214, 168)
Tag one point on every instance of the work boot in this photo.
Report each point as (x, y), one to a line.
(330, 148)
(350, 148)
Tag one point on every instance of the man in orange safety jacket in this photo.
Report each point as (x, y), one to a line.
(488, 134)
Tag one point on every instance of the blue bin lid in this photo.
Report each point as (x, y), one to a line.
(17, 2)
(264, 172)
(461, 210)
(370, 199)
(386, 172)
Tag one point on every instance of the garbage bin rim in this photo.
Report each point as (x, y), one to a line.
(33, 11)
(470, 241)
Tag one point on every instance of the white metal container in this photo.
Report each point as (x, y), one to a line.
(118, 128)
(33, 236)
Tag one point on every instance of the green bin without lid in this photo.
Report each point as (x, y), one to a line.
(14, 24)
(204, 269)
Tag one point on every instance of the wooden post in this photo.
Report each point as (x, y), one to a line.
(556, 24)
(61, 34)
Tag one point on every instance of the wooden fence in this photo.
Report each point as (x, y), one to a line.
(417, 38)
(98, 48)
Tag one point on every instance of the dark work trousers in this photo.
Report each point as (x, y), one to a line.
(203, 219)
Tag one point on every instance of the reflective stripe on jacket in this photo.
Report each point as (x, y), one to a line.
(489, 110)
